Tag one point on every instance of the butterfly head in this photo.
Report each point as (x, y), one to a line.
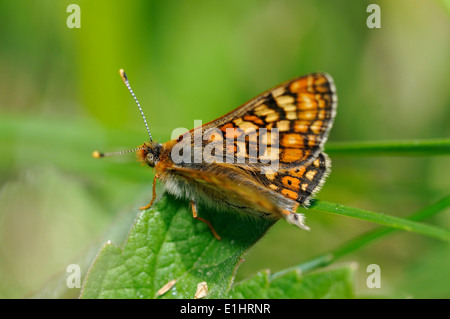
(149, 153)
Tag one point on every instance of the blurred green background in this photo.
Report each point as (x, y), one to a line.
(61, 97)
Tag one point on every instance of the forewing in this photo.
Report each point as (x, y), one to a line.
(287, 124)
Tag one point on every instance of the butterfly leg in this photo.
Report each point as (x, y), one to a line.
(154, 196)
(294, 218)
(195, 215)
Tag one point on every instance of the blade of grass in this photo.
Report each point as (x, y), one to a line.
(393, 148)
(382, 219)
(363, 240)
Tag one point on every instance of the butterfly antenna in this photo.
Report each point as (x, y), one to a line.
(124, 77)
(97, 154)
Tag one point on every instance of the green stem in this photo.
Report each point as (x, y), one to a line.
(392, 148)
(386, 220)
(363, 240)
(367, 238)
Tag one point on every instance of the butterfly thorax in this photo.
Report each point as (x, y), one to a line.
(150, 153)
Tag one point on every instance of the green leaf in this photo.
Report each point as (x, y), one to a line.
(330, 283)
(166, 243)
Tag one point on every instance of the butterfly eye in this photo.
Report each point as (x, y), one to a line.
(150, 157)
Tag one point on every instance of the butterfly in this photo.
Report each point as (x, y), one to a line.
(263, 159)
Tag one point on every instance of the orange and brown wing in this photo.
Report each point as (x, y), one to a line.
(302, 110)
(299, 183)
